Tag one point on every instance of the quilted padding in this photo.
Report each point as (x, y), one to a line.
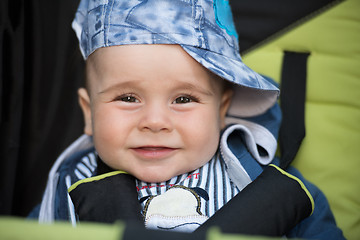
(329, 154)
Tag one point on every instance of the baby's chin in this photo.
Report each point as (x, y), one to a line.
(156, 176)
(153, 178)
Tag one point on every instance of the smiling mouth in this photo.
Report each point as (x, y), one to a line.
(154, 152)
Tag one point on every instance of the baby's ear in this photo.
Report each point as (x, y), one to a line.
(225, 104)
(84, 101)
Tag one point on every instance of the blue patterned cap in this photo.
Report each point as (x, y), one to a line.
(203, 28)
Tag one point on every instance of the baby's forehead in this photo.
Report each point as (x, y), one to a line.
(167, 62)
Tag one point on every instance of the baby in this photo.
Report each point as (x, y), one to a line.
(173, 116)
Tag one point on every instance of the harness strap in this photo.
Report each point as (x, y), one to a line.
(271, 205)
(292, 101)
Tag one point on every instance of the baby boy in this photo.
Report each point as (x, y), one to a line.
(165, 100)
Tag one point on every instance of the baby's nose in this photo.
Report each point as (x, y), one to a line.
(156, 118)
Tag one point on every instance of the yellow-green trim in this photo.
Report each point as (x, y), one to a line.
(301, 184)
(96, 178)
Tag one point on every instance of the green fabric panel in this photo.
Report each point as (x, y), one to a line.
(329, 155)
(17, 228)
(215, 234)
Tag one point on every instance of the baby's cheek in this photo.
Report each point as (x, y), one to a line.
(108, 134)
(206, 139)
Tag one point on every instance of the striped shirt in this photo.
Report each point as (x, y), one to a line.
(212, 177)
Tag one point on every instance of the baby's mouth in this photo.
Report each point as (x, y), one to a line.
(153, 148)
(154, 152)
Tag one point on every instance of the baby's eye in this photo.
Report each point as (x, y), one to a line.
(127, 98)
(184, 99)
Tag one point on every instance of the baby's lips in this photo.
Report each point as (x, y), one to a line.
(154, 151)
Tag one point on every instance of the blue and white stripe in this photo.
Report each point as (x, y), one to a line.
(212, 177)
(86, 167)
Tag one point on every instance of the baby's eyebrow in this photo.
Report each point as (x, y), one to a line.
(195, 88)
(117, 86)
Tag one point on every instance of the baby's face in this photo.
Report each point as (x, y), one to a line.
(153, 111)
